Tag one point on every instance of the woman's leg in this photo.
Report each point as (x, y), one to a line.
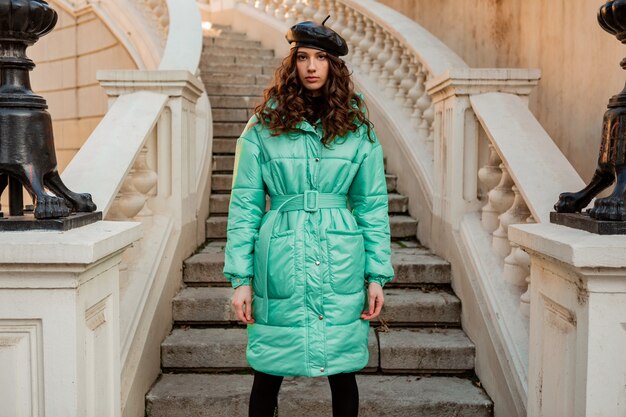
(345, 394)
(264, 395)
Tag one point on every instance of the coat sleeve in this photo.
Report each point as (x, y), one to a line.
(245, 210)
(368, 200)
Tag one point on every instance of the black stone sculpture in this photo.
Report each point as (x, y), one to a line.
(27, 155)
(612, 158)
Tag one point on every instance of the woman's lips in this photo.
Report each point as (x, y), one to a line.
(312, 79)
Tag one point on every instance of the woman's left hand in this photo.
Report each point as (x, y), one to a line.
(375, 299)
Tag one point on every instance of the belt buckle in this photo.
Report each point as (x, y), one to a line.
(308, 207)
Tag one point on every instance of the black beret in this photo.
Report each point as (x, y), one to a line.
(313, 35)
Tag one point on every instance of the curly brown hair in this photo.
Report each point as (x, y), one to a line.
(342, 109)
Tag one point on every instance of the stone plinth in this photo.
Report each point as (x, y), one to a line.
(577, 321)
(59, 320)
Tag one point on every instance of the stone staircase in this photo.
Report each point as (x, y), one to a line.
(421, 362)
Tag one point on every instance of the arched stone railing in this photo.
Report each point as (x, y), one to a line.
(149, 161)
(471, 157)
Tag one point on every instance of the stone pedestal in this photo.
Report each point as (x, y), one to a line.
(577, 365)
(59, 320)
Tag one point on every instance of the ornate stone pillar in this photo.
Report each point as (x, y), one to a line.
(59, 320)
(577, 321)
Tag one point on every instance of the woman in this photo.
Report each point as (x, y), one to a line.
(316, 269)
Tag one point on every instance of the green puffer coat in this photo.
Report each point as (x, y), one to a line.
(308, 265)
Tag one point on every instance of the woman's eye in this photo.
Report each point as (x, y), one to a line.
(301, 57)
(322, 57)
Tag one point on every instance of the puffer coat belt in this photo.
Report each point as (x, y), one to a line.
(310, 200)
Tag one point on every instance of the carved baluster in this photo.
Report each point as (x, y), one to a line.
(134, 192)
(332, 11)
(296, 14)
(514, 272)
(309, 10)
(292, 12)
(357, 37)
(402, 78)
(365, 45)
(490, 176)
(416, 93)
(144, 179)
(321, 13)
(376, 50)
(502, 198)
(348, 29)
(339, 11)
(383, 58)
(390, 67)
(423, 104)
(283, 10)
(427, 127)
(410, 85)
(524, 304)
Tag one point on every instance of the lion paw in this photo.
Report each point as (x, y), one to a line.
(51, 207)
(608, 208)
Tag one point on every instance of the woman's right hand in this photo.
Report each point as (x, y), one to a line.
(242, 303)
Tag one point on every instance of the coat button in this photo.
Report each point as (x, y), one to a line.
(317, 262)
(321, 369)
(317, 159)
(320, 317)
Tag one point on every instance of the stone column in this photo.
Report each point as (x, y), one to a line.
(577, 361)
(59, 320)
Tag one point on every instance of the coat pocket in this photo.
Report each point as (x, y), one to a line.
(346, 260)
(281, 266)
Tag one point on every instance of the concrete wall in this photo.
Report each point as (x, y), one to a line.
(578, 60)
(67, 60)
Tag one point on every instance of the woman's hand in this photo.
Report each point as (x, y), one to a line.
(375, 300)
(242, 303)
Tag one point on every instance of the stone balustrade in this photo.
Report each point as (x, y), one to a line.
(157, 11)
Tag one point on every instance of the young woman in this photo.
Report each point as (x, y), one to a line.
(316, 267)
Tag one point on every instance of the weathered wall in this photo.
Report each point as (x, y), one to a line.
(67, 60)
(578, 60)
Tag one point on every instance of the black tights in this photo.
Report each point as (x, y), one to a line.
(264, 395)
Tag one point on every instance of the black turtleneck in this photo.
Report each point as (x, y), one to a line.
(313, 107)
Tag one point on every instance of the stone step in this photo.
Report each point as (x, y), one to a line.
(210, 51)
(403, 307)
(223, 350)
(400, 350)
(425, 350)
(413, 266)
(210, 42)
(216, 227)
(228, 129)
(224, 32)
(215, 58)
(223, 182)
(233, 89)
(234, 102)
(251, 69)
(398, 203)
(218, 203)
(220, 395)
(223, 162)
(401, 226)
(220, 78)
(224, 146)
(231, 115)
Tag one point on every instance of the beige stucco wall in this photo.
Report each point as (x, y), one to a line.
(578, 60)
(67, 60)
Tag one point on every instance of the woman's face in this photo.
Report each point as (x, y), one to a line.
(312, 66)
